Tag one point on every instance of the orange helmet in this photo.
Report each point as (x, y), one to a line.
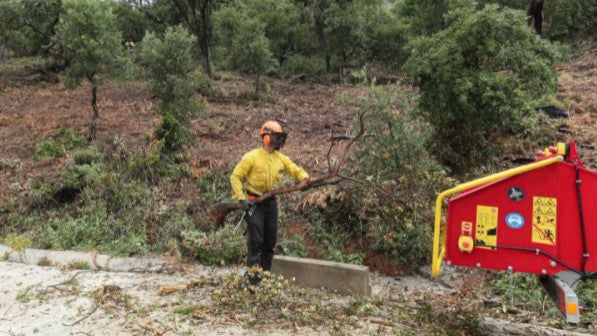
(273, 134)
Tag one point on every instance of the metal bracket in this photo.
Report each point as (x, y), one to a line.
(559, 288)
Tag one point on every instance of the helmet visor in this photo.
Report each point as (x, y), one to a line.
(278, 139)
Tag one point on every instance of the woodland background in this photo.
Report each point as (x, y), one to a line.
(120, 121)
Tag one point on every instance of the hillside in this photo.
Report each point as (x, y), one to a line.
(33, 108)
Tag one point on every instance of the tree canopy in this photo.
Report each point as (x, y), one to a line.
(467, 69)
(90, 42)
(479, 78)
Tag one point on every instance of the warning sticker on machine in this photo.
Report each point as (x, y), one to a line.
(487, 222)
(544, 220)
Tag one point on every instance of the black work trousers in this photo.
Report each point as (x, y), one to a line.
(262, 229)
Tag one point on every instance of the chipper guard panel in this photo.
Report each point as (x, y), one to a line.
(539, 218)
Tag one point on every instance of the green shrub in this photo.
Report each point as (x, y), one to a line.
(350, 258)
(65, 140)
(523, 288)
(479, 79)
(293, 246)
(335, 224)
(202, 81)
(569, 19)
(214, 187)
(95, 202)
(587, 296)
(17, 242)
(95, 229)
(399, 178)
(171, 77)
(222, 247)
(296, 65)
(87, 156)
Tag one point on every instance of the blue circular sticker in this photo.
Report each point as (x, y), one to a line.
(515, 220)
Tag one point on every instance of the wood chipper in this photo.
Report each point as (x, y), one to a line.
(540, 218)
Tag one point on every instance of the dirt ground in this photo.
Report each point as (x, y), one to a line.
(150, 296)
(228, 128)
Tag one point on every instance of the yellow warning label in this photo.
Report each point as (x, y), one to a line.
(544, 220)
(487, 222)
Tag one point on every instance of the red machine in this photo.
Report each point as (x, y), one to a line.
(540, 218)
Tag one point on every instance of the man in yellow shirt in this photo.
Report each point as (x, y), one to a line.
(259, 171)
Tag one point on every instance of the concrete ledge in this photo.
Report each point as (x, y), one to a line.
(344, 278)
(95, 261)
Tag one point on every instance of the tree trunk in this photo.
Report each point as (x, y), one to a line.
(197, 15)
(257, 83)
(205, 36)
(320, 31)
(92, 127)
(536, 15)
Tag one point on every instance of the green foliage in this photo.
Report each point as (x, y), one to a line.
(186, 310)
(570, 18)
(169, 65)
(389, 212)
(293, 246)
(18, 242)
(214, 186)
(286, 26)
(168, 62)
(523, 291)
(131, 21)
(241, 42)
(587, 294)
(64, 141)
(7, 165)
(335, 224)
(350, 258)
(115, 216)
(401, 179)
(171, 133)
(282, 301)
(221, 247)
(345, 29)
(79, 265)
(520, 290)
(96, 202)
(24, 297)
(299, 65)
(385, 41)
(27, 26)
(482, 74)
(283, 25)
(202, 82)
(21, 71)
(87, 37)
(251, 54)
(426, 17)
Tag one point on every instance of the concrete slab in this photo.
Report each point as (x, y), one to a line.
(344, 278)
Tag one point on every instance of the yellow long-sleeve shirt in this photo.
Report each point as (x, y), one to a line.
(262, 171)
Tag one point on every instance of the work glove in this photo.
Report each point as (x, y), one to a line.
(245, 204)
